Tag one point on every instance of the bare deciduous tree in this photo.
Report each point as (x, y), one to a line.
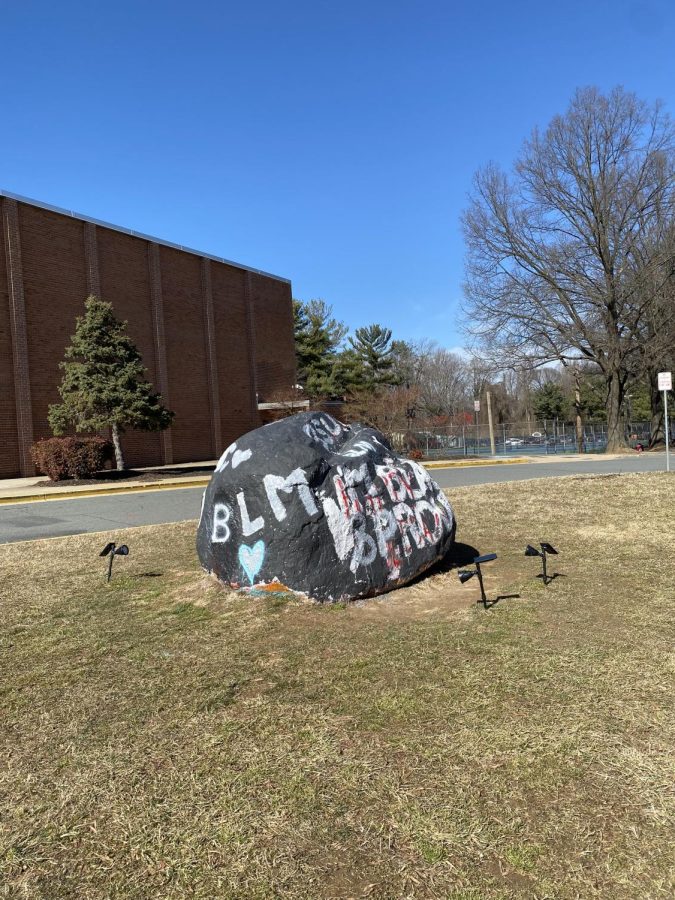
(386, 409)
(656, 285)
(442, 379)
(553, 269)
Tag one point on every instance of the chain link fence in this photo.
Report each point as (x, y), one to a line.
(511, 438)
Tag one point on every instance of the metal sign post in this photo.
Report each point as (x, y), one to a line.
(665, 415)
(665, 384)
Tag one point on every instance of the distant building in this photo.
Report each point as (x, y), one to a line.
(216, 337)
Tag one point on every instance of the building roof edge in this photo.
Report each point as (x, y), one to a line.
(138, 234)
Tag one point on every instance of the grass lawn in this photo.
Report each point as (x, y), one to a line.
(162, 737)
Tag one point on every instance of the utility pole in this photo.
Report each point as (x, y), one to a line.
(492, 431)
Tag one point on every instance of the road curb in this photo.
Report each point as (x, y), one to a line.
(96, 492)
(202, 482)
(451, 464)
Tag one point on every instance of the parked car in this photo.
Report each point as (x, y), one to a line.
(514, 442)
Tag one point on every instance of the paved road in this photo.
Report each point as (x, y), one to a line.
(638, 462)
(28, 521)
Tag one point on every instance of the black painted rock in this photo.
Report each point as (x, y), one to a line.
(323, 508)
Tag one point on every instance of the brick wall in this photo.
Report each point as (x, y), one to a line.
(238, 412)
(124, 276)
(210, 333)
(186, 355)
(9, 445)
(54, 282)
(274, 343)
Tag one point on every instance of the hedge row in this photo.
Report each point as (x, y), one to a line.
(71, 457)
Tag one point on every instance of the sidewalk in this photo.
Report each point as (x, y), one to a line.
(26, 490)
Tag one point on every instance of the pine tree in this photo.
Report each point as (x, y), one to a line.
(373, 348)
(105, 382)
(550, 402)
(317, 339)
(348, 373)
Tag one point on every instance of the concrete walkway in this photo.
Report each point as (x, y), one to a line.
(26, 490)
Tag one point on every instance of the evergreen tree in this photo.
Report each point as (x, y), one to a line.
(550, 402)
(406, 362)
(348, 374)
(638, 407)
(372, 346)
(593, 396)
(318, 337)
(104, 381)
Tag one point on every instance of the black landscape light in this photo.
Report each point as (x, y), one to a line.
(546, 548)
(466, 574)
(111, 550)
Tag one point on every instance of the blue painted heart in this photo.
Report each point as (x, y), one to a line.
(251, 559)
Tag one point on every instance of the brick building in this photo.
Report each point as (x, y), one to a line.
(216, 337)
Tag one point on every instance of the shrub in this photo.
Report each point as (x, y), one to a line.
(71, 457)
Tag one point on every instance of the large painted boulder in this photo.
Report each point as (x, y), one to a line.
(322, 508)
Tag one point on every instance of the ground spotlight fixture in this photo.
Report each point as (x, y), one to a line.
(546, 549)
(465, 574)
(111, 550)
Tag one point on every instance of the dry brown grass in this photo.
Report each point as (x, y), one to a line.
(162, 737)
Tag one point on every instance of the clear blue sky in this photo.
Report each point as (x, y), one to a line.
(329, 142)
